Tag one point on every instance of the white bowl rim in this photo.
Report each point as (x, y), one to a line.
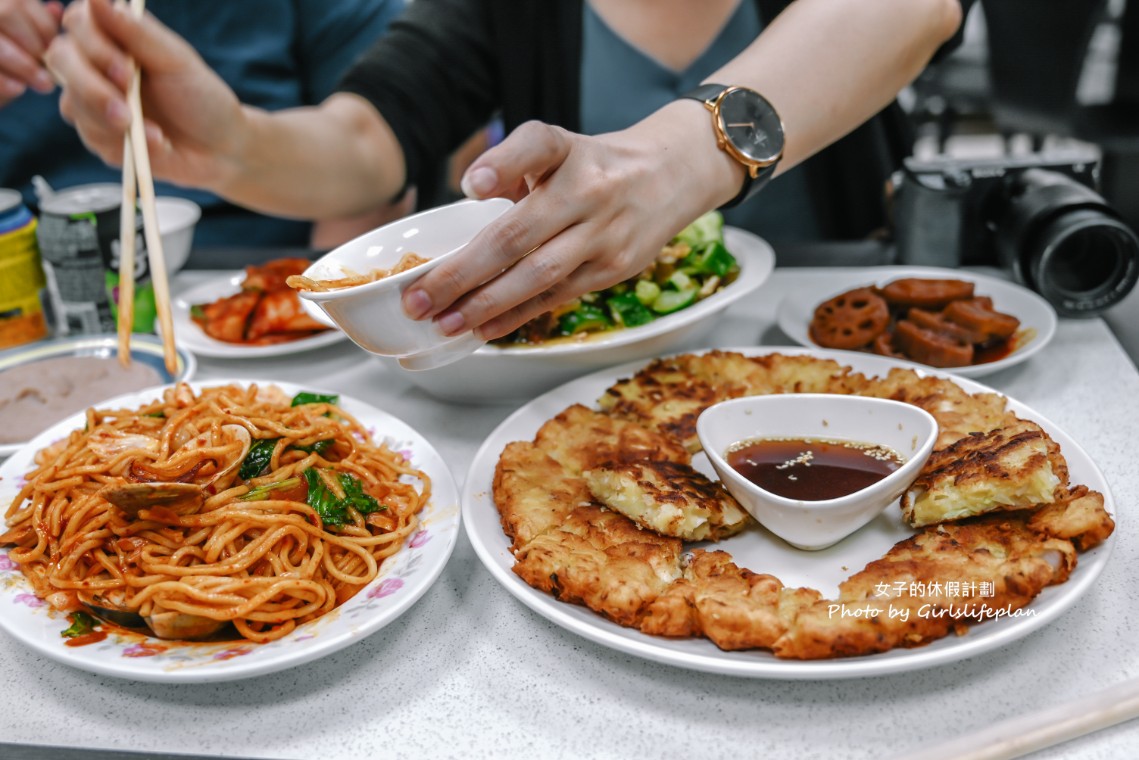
(407, 275)
(821, 504)
(174, 201)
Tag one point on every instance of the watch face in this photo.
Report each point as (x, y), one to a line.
(751, 125)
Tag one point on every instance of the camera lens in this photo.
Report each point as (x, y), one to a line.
(1085, 262)
(1063, 240)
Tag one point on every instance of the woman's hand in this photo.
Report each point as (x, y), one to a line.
(191, 114)
(27, 27)
(590, 212)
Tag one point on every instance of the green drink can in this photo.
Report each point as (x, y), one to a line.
(79, 242)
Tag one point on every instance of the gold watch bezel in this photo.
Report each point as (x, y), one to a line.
(753, 166)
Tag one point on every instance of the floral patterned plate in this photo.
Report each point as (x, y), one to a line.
(403, 578)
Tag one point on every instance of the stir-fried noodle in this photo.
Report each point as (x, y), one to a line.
(293, 519)
(351, 279)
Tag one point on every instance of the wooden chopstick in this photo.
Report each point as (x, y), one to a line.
(136, 139)
(1028, 733)
(127, 250)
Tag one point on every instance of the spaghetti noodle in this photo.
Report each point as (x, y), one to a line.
(299, 526)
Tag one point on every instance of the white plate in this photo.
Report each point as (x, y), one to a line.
(516, 373)
(760, 552)
(144, 348)
(197, 341)
(403, 578)
(1035, 314)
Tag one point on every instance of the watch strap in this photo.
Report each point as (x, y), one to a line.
(706, 93)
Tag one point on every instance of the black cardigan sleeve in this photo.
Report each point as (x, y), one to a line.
(433, 77)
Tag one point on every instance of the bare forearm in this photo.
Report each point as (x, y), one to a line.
(826, 65)
(329, 161)
(829, 65)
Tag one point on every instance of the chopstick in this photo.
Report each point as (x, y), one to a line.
(136, 139)
(1028, 733)
(127, 248)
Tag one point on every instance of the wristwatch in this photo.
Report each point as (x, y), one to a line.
(748, 129)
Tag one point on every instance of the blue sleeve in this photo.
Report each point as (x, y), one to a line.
(332, 34)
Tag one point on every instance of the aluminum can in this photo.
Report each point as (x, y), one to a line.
(79, 243)
(22, 283)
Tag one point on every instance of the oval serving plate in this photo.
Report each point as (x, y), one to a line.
(192, 335)
(515, 373)
(1037, 317)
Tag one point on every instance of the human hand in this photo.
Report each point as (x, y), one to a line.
(27, 27)
(191, 114)
(590, 212)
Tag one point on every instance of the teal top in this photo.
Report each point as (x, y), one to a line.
(621, 85)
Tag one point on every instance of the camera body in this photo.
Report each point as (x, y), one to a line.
(1038, 218)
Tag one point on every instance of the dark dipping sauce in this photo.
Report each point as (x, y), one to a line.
(812, 469)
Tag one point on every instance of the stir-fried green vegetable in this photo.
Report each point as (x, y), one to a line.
(261, 453)
(333, 510)
(693, 266)
(81, 625)
(305, 397)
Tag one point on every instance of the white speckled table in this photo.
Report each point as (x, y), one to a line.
(471, 672)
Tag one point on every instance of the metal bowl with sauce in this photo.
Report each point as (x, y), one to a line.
(42, 383)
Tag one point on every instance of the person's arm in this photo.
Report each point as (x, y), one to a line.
(334, 159)
(27, 27)
(595, 210)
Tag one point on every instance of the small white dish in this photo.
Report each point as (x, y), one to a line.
(509, 374)
(189, 334)
(1037, 317)
(905, 429)
(372, 314)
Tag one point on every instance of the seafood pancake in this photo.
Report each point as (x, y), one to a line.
(580, 438)
(732, 606)
(1013, 467)
(672, 499)
(669, 394)
(602, 560)
(958, 413)
(665, 398)
(931, 584)
(1079, 517)
(533, 492)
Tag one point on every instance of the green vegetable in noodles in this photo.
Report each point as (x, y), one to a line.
(304, 397)
(81, 625)
(333, 510)
(260, 453)
(260, 493)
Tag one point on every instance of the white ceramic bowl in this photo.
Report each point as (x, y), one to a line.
(906, 429)
(371, 314)
(177, 218)
(509, 374)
